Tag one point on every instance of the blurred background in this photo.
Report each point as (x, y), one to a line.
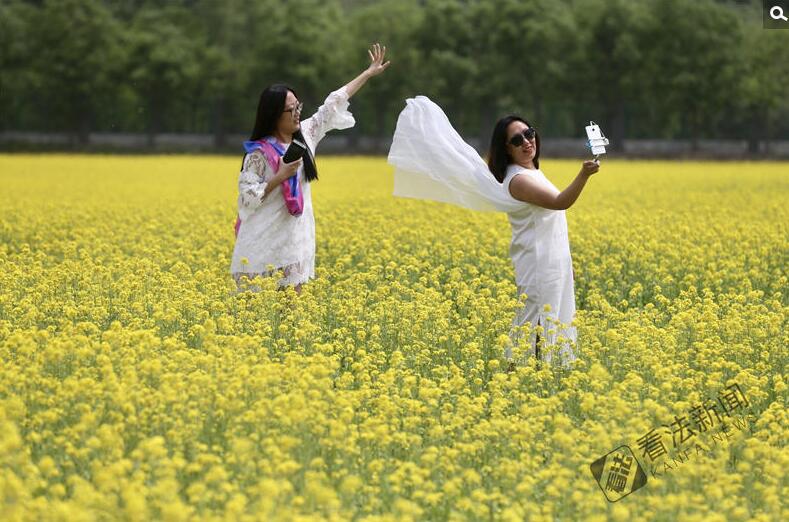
(676, 78)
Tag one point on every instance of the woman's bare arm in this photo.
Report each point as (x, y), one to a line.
(526, 189)
(377, 66)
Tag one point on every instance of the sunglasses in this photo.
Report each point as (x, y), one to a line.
(518, 139)
(296, 109)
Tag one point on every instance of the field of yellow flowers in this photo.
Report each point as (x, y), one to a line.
(135, 384)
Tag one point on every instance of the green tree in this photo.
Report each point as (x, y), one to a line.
(693, 62)
(78, 54)
(162, 66)
(609, 76)
(531, 49)
(16, 77)
(395, 24)
(224, 76)
(451, 52)
(642, 68)
(302, 43)
(764, 84)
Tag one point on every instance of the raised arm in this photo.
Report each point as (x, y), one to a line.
(333, 114)
(376, 67)
(526, 189)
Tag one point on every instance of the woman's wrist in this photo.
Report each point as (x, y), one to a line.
(284, 176)
(275, 181)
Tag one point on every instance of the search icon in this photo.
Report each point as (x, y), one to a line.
(777, 13)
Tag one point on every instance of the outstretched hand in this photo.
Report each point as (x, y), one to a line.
(589, 167)
(377, 64)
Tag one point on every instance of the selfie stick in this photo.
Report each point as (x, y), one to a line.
(596, 141)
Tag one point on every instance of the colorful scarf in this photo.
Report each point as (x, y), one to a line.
(291, 187)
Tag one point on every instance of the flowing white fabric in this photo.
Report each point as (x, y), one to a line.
(433, 162)
(269, 236)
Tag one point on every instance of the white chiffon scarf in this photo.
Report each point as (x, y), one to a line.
(432, 162)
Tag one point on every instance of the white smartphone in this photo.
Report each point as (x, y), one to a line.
(597, 141)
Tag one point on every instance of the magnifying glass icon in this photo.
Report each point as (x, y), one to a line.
(777, 13)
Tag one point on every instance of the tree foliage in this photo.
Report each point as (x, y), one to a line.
(642, 68)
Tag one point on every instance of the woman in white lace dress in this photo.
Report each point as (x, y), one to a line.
(270, 240)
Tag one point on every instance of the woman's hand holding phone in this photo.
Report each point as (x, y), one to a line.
(589, 167)
(287, 170)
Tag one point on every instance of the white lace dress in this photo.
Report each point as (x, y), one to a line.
(270, 239)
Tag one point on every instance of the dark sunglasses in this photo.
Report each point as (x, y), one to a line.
(518, 139)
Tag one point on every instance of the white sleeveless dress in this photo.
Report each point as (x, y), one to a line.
(540, 252)
(433, 162)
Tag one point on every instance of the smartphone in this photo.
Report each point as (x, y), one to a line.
(294, 152)
(597, 141)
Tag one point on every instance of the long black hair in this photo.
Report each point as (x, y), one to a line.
(498, 157)
(270, 108)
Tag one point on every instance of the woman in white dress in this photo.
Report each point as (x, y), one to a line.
(433, 162)
(270, 238)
